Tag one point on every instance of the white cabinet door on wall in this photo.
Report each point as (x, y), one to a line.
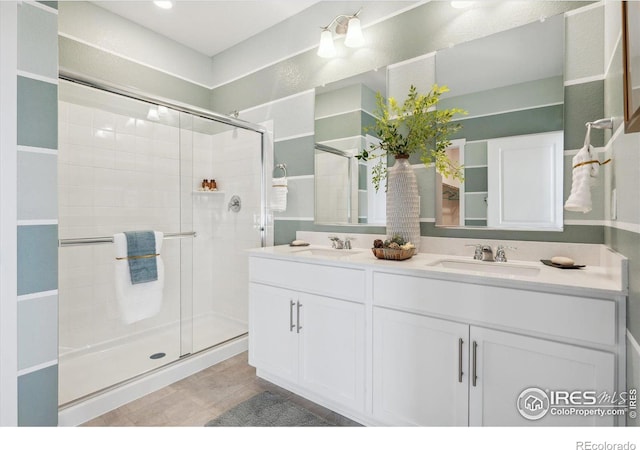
(273, 342)
(525, 181)
(420, 375)
(332, 349)
(506, 364)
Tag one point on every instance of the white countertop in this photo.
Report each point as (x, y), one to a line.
(607, 280)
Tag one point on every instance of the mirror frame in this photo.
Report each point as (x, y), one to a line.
(631, 111)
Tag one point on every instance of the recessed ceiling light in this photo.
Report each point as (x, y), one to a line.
(164, 4)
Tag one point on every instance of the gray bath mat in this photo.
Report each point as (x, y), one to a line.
(268, 410)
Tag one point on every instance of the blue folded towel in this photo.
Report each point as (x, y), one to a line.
(141, 243)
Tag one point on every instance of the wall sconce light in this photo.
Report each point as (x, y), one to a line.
(345, 25)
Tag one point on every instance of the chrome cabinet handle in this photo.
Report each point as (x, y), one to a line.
(475, 363)
(298, 317)
(460, 372)
(291, 305)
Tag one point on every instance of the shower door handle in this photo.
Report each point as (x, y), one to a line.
(291, 305)
(298, 317)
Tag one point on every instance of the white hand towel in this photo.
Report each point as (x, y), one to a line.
(137, 301)
(584, 176)
(279, 191)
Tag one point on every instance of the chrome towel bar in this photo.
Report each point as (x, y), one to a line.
(109, 239)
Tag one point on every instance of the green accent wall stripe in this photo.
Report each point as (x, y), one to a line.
(37, 258)
(583, 103)
(37, 113)
(285, 231)
(530, 95)
(296, 153)
(335, 127)
(537, 120)
(476, 179)
(38, 398)
(53, 5)
(585, 234)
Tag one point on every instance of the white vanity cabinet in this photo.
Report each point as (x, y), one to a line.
(430, 371)
(398, 345)
(312, 342)
(507, 363)
(420, 374)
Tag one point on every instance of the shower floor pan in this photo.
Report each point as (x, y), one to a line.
(85, 372)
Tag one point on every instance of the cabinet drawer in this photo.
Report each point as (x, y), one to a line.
(331, 281)
(550, 314)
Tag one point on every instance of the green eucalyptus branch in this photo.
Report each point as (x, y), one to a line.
(415, 126)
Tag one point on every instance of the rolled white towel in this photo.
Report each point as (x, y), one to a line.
(279, 189)
(580, 198)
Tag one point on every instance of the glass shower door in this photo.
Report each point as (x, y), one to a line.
(119, 163)
(226, 219)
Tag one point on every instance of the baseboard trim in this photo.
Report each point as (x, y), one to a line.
(95, 406)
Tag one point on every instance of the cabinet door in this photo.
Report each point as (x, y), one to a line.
(332, 349)
(273, 342)
(420, 374)
(506, 364)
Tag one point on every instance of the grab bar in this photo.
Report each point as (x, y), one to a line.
(109, 239)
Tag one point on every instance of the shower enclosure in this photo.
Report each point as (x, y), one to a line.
(128, 164)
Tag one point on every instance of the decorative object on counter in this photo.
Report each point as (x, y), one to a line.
(298, 243)
(395, 248)
(562, 261)
(549, 262)
(416, 126)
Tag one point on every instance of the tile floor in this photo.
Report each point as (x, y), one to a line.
(203, 396)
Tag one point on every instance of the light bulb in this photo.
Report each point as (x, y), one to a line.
(354, 34)
(326, 49)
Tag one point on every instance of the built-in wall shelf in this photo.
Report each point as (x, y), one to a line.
(208, 192)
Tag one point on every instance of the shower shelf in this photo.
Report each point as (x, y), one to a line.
(208, 192)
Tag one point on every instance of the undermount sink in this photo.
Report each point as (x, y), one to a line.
(326, 252)
(487, 267)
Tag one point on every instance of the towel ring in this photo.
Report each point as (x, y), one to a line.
(282, 167)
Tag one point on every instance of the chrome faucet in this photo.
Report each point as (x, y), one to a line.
(501, 256)
(483, 252)
(478, 252)
(487, 253)
(347, 242)
(336, 242)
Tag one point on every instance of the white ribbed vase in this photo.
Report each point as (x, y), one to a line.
(403, 202)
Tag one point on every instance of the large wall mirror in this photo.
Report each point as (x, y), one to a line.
(511, 142)
(344, 192)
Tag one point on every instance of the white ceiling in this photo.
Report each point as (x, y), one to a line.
(208, 27)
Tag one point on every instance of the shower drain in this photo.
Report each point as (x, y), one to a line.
(158, 355)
